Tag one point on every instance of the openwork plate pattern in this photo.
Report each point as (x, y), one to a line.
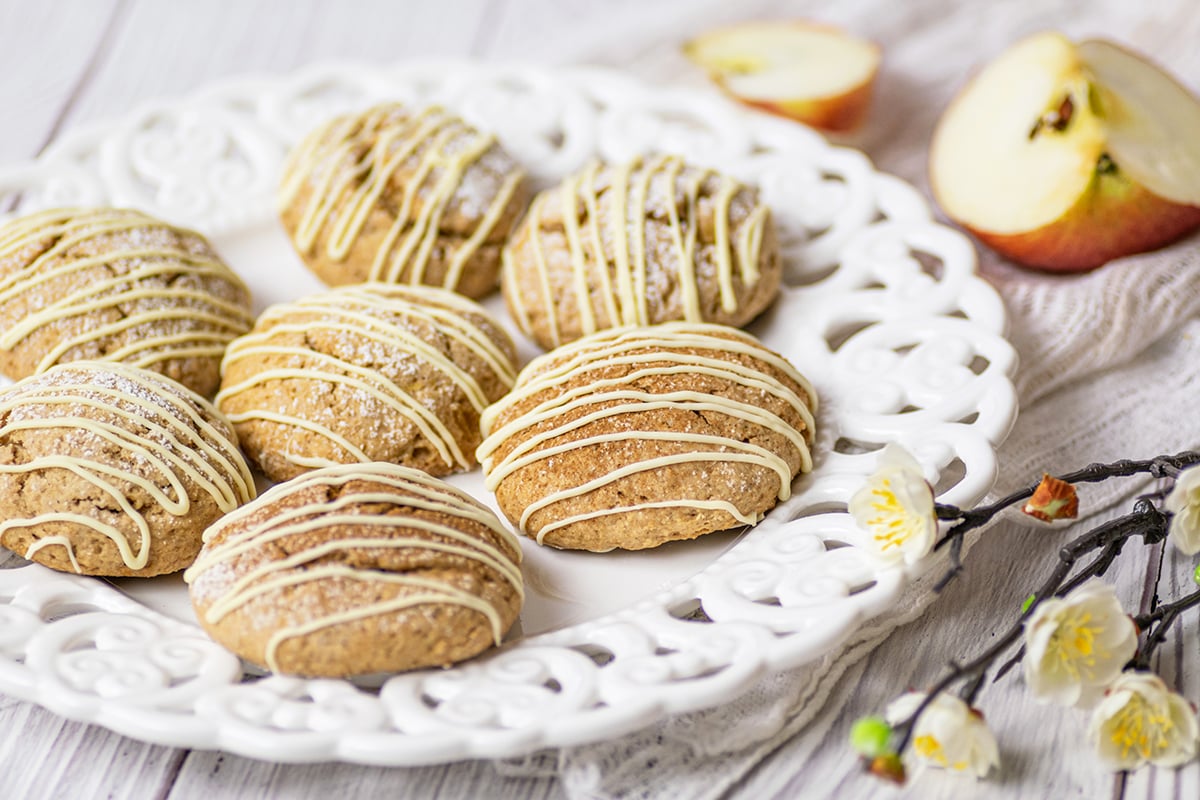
(883, 312)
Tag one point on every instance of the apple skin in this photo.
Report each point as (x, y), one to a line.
(843, 113)
(1114, 218)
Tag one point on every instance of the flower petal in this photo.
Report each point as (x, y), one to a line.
(948, 734)
(1184, 504)
(1141, 721)
(1075, 646)
(896, 508)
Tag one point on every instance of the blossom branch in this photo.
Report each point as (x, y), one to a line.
(1080, 646)
(1167, 466)
(1162, 618)
(1145, 520)
(1093, 569)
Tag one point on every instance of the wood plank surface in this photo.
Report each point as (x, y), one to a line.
(71, 62)
(46, 61)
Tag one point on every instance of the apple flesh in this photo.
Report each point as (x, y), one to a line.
(1064, 157)
(811, 73)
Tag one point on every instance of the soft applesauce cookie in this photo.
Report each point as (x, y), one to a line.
(366, 373)
(399, 195)
(116, 285)
(649, 241)
(633, 437)
(107, 469)
(358, 569)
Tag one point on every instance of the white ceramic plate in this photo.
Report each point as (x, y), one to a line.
(884, 313)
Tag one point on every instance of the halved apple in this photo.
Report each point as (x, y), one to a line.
(1064, 157)
(812, 73)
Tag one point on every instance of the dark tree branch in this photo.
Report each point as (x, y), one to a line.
(1109, 538)
(1158, 467)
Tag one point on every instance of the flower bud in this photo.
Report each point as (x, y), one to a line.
(889, 767)
(1053, 500)
(870, 736)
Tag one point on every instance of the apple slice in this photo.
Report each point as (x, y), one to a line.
(815, 74)
(1063, 156)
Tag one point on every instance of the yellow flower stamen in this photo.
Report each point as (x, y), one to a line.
(1074, 644)
(929, 747)
(1142, 727)
(895, 507)
(897, 522)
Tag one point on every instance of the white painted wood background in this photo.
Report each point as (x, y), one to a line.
(68, 62)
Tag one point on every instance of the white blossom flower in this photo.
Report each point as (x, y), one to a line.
(948, 734)
(1184, 503)
(896, 507)
(1075, 646)
(1141, 721)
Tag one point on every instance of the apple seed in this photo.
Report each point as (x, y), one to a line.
(1057, 119)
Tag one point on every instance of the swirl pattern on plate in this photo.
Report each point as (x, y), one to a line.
(870, 280)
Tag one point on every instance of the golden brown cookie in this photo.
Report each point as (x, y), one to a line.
(116, 285)
(398, 195)
(358, 569)
(641, 243)
(107, 469)
(633, 437)
(366, 373)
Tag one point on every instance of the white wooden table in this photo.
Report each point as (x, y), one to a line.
(69, 62)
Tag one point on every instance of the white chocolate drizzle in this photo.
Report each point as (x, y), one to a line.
(670, 349)
(156, 308)
(395, 486)
(375, 313)
(151, 421)
(438, 147)
(610, 285)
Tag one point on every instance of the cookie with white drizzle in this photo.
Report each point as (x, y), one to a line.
(116, 285)
(357, 569)
(649, 241)
(374, 372)
(108, 469)
(633, 437)
(401, 195)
